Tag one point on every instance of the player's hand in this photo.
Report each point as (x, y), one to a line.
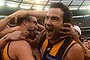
(67, 31)
(16, 35)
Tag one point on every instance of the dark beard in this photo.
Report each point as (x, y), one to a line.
(55, 36)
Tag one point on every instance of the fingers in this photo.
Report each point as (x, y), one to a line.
(18, 14)
(21, 13)
(18, 35)
(62, 37)
(65, 33)
(67, 24)
(24, 33)
(67, 30)
(66, 27)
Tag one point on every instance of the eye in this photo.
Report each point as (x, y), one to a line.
(54, 18)
(46, 17)
(35, 22)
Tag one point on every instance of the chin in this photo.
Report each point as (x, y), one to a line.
(49, 37)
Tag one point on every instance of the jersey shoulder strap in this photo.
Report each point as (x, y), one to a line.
(68, 48)
(64, 48)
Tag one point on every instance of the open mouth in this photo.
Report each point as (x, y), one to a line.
(49, 29)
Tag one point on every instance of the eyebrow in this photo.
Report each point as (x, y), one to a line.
(52, 16)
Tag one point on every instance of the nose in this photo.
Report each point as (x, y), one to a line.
(33, 26)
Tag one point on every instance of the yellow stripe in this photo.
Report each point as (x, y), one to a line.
(44, 45)
(67, 48)
(56, 47)
(5, 56)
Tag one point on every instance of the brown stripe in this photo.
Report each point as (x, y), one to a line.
(56, 47)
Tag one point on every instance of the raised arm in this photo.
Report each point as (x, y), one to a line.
(6, 20)
(23, 13)
(41, 13)
(20, 13)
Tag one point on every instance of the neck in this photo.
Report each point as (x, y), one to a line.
(24, 26)
(55, 40)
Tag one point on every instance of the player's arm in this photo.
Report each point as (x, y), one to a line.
(38, 14)
(6, 20)
(17, 35)
(3, 42)
(41, 13)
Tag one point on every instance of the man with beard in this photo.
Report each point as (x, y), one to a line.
(54, 46)
(56, 42)
(21, 50)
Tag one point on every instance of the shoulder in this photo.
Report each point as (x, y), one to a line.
(20, 49)
(76, 47)
(75, 53)
(19, 44)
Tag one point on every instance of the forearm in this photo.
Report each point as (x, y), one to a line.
(5, 21)
(76, 38)
(37, 13)
(5, 31)
(3, 42)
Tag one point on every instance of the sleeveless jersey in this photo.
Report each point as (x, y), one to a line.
(55, 51)
(6, 52)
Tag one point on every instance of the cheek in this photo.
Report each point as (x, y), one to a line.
(58, 26)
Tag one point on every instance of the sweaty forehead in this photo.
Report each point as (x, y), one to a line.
(55, 12)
